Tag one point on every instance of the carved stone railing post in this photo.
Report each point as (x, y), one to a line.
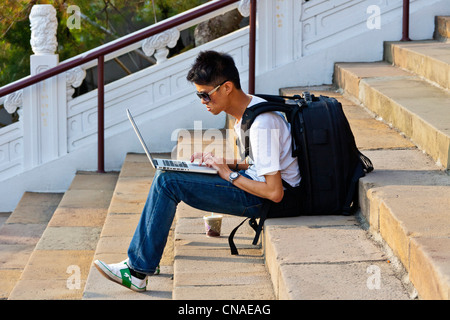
(43, 29)
(159, 43)
(44, 104)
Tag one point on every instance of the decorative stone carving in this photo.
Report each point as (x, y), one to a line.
(74, 79)
(159, 43)
(13, 101)
(244, 8)
(43, 29)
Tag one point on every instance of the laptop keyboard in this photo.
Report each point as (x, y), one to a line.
(178, 164)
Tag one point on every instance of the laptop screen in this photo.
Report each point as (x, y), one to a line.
(140, 137)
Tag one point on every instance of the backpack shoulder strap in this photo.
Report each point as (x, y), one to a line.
(291, 110)
(252, 112)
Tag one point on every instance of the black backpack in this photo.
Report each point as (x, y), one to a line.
(329, 161)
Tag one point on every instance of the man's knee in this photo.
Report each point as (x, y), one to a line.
(166, 181)
(163, 177)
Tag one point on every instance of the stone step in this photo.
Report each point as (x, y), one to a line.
(201, 267)
(328, 258)
(20, 233)
(416, 108)
(204, 268)
(427, 59)
(123, 215)
(404, 205)
(337, 257)
(59, 264)
(442, 32)
(406, 202)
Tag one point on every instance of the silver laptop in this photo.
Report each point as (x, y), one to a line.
(168, 164)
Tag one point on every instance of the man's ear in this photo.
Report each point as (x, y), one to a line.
(229, 87)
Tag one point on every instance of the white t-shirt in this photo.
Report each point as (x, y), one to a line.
(271, 147)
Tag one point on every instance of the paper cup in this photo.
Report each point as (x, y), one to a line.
(213, 223)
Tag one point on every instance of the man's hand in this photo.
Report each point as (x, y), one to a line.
(202, 156)
(209, 160)
(271, 189)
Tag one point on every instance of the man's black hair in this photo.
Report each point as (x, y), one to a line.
(213, 68)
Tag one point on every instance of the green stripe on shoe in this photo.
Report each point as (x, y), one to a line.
(126, 277)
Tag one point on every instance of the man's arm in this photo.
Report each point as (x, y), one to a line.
(271, 189)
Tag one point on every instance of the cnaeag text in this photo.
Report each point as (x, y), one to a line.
(227, 309)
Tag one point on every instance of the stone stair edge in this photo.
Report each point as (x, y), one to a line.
(420, 244)
(363, 84)
(421, 262)
(396, 205)
(424, 58)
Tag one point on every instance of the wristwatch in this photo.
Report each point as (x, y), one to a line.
(233, 176)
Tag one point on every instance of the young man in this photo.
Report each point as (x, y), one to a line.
(238, 188)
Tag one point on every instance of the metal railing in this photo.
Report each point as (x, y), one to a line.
(100, 53)
(405, 24)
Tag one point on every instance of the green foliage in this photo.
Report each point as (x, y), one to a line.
(102, 21)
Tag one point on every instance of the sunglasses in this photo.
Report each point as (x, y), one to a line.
(206, 96)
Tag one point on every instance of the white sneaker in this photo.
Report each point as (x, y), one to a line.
(120, 273)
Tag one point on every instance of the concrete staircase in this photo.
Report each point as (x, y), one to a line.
(396, 247)
(96, 218)
(300, 258)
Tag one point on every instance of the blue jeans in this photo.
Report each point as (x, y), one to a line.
(201, 191)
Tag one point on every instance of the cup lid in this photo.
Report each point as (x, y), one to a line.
(216, 216)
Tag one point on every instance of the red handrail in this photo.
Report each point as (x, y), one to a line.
(405, 26)
(252, 48)
(109, 48)
(101, 115)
